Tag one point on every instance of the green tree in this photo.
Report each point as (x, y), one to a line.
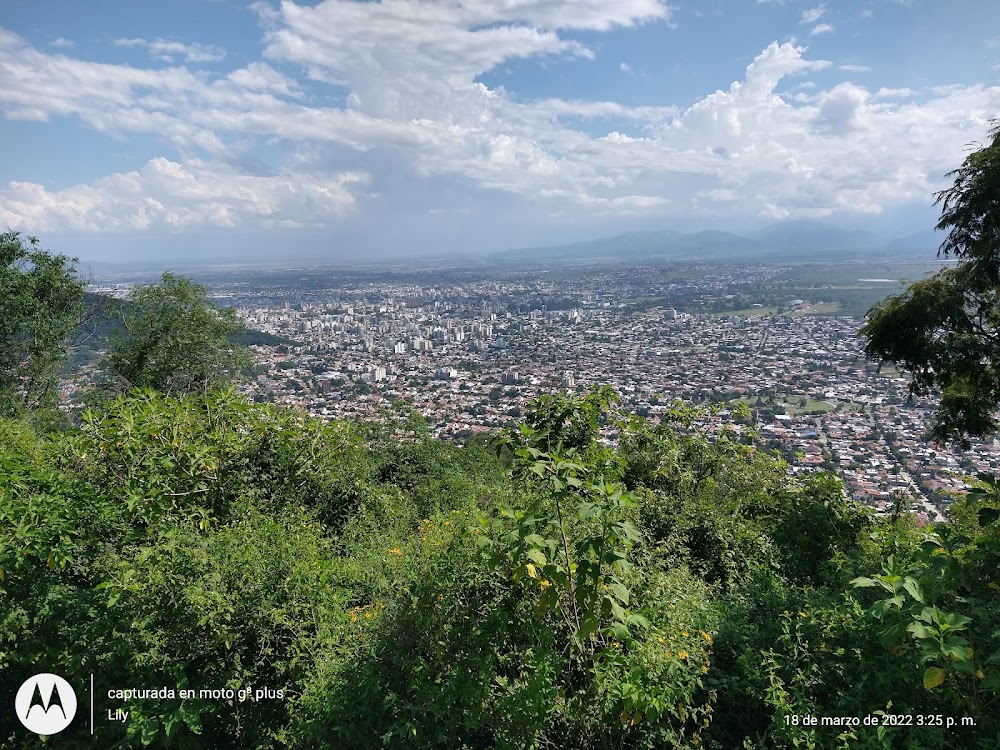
(945, 330)
(176, 340)
(41, 302)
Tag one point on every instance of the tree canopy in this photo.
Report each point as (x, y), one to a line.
(677, 590)
(175, 339)
(945, 330)
(41, 301)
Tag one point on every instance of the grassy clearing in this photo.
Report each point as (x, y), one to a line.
(826, 308)
(792, 408)
(752, 312)
(795, 408)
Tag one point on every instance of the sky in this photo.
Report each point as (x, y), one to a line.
(144, 130)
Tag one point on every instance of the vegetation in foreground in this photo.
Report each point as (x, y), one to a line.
(676, 591)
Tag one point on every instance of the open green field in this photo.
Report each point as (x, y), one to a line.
(794, 408)
(827, 308)
(846, 288)
(752, 312)
(859, 274)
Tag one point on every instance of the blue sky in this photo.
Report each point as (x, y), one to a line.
(215, 128)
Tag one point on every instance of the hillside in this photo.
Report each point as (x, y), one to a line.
(784, 241)
(366, 586)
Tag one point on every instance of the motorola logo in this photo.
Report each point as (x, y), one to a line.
(45, 703)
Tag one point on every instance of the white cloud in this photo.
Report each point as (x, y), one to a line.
(616, 137)
(887, 93)
(840, 108)
(625, 67)
(416, 110)
(432, 48)
(813, 14)
(168, 195)
(169, 51)
(62, 43)
(855, 68)
(822, 28)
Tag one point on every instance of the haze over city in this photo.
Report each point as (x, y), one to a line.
(350, 131)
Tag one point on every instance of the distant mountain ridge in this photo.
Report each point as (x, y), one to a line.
(793, 240)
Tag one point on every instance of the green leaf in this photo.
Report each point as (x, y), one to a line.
(589, 626)
(921, 631)
(912, 587)
(988, 516)
(149, 731)
(933, 676)
(630, 531)
(863, 582)
(639, 620)
(621, 592)
(616, 610)
(535, 555)
(958, 649)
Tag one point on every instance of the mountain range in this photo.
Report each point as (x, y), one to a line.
(784, 241)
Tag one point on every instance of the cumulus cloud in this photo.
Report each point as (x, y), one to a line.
(256, 146)
(840, 108)
(169, 195)
(432, 48)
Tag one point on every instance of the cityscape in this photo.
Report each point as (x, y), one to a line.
(469, 349)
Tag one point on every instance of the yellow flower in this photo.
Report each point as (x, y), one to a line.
(396, 551)
(682, 654)
(802, 614)
(544, 584)
(660, 639)
(707, 637)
